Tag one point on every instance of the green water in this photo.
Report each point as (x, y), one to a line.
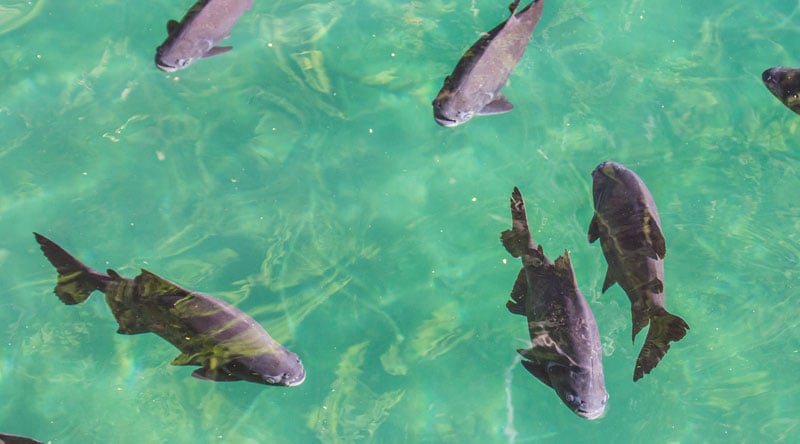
(302, 177)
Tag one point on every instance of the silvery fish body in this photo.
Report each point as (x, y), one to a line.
(226, 343)
(784, 83)
(474, 86)
(206, 23)
(565, 351)
(627, 223)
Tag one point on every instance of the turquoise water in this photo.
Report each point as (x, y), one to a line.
(302, 177)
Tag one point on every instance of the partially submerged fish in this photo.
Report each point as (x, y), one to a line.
(205, 24)
(5, 438)
(565, 350)
(474, 86)
(784, 83)
(626, 222)
(227, 343)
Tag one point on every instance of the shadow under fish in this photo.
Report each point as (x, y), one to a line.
(784, 83)
(474, 86)
(205, 24)
(627, 223)
(565, 351)
(226, 343)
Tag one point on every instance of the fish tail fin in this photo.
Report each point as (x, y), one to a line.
(518, 240)
(665, 327)
(76, 281)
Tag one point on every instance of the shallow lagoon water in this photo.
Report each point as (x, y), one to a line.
(302, 177)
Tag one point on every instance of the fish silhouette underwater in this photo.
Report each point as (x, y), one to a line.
(565, 351)
(627, 223)
(784, 83)
(226, 343)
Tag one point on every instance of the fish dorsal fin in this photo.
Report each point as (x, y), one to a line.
(512, 7)
(564, 266)
(518, 294)
(653, 234)
(217, 50)
(594, 229)
(499, 105)
(172, 25)
(153, 286)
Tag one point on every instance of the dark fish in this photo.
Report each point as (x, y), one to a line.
(784, 83)
(205, 24)
(565, 350)
(626, 222)
(475, 84)
(14, 439)
(223, 340)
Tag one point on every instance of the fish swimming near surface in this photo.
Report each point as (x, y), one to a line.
(206, 23)
(627, 223)
(565, 351)
(784, 83)
(227, 344)
(474, 86)
(5, 438)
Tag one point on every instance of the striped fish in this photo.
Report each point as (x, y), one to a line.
(627, 223)
(226, 343)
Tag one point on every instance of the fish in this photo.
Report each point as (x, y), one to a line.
(627, 223)
(205, 24)
(565, 351)
(474, 86)
(226, 343)
(784, 83)
(5, 438)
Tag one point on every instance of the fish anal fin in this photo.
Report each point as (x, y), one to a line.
(217, 50)
(186, 359)
(499, 105)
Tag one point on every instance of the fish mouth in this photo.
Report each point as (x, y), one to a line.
(591, 414)
(165, 67)
(444, 121)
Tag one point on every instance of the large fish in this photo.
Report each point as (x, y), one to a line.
(474, 86)
(228, 344)
(205, 24)
(784, 83)
(565, 350)
(626, 222)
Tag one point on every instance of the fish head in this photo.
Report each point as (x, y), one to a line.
(448, 109)
(581, 389)
(604, 178)
(177, 54)
(784, 83)
(279, 367)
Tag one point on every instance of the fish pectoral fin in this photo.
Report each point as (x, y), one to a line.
(217, 50)
(609, 280)
(594, 229)
(208, 374)
(172, 25)
(544, 349)
(517, 303)
(538, 370)
(186, 359)
(499, 105)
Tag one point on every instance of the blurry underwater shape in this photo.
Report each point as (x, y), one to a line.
(15, 13)
(352, 411)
